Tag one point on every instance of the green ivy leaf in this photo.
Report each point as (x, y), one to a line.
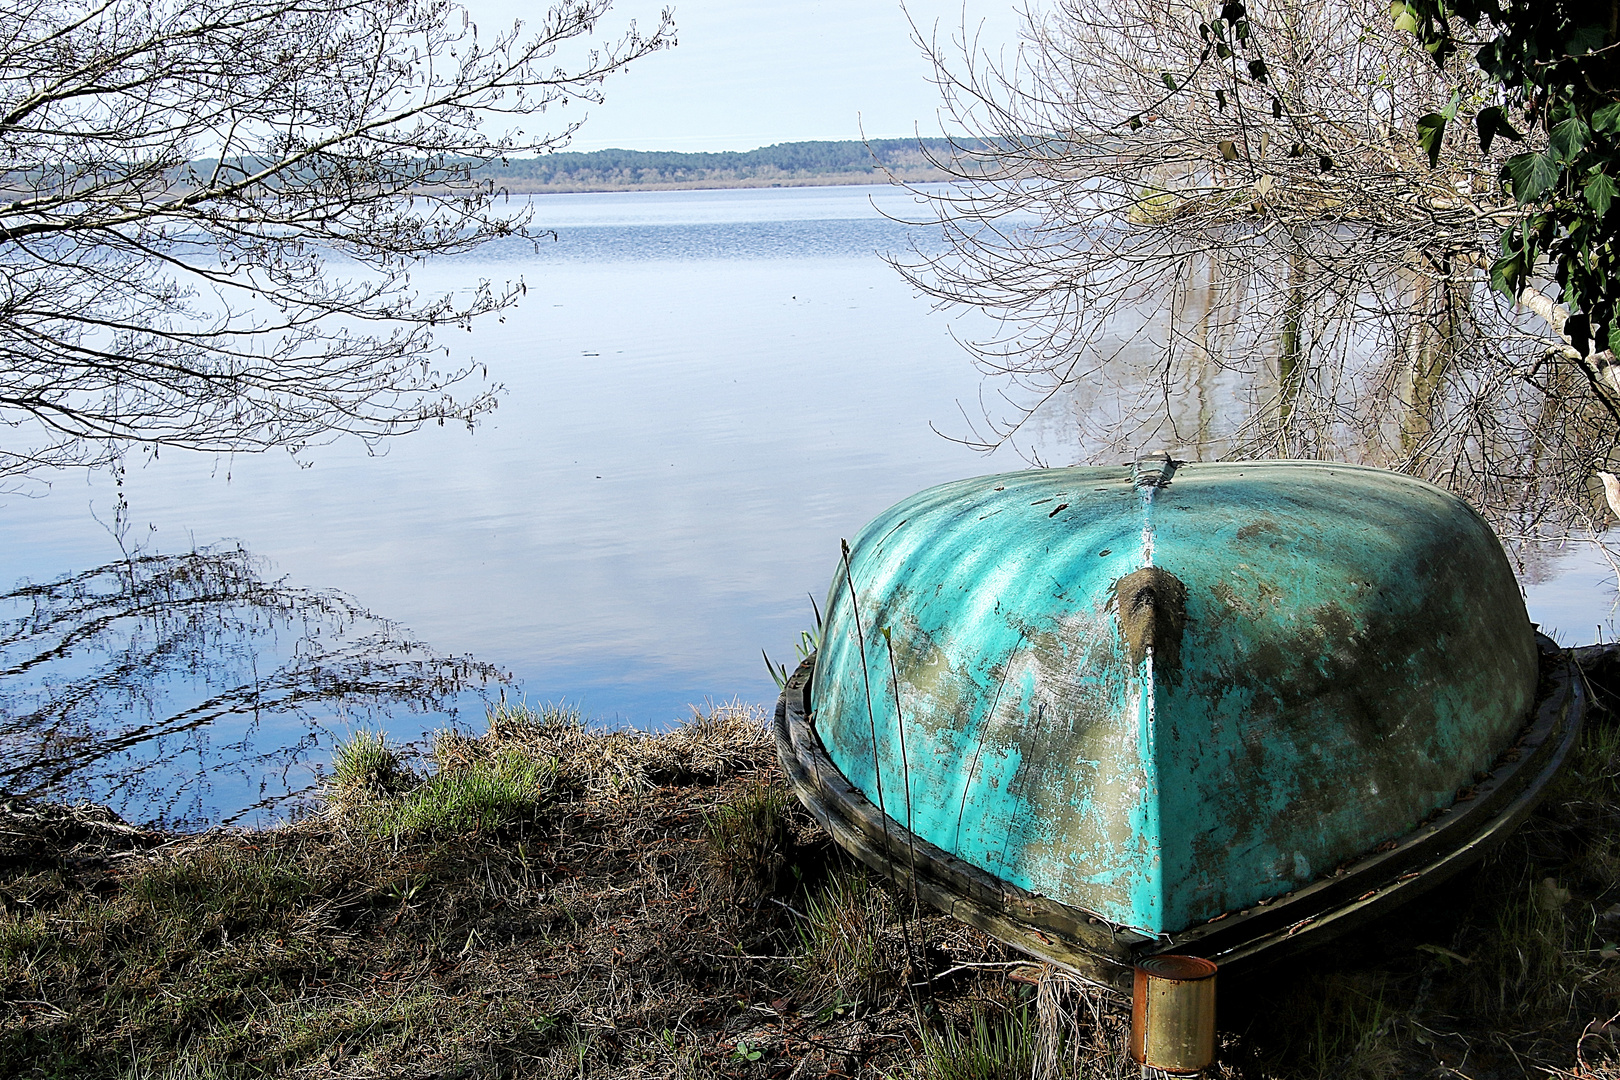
(1220, 98)
(1567, 138)
(1506, 273)
(1491, 123)
(1607, 118)
(1541, 227)
(1222, 50)
(1599, 193)
(1431, 130)
(1276, 108)
(1257, 70)
(1232, 11)
(1586, 39)
(1531, 175)
(1578, 328)
(1169, 81)
(1135, 122)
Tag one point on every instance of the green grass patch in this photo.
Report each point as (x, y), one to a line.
(243, 885)
(749, 838)
(372, 789)
(367, 766)
(847, 954)
(998, 1047)
(486, 794)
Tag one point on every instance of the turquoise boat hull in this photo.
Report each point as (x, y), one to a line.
(1142, 699)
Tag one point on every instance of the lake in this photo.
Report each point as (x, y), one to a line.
(705, 391)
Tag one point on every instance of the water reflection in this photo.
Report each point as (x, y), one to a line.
(1247, 355)
(188, 689)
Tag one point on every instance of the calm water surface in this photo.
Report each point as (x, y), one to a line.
(706, 390)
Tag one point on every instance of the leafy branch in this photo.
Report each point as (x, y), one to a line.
(1555, 67)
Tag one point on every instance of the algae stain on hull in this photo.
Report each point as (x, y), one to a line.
(1159, 744)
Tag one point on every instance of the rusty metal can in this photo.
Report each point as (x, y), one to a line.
(1173, 1014)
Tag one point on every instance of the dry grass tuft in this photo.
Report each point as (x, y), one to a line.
(728, 739)
(1082, 1031)
(527, 760)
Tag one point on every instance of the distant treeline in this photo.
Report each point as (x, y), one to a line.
(844, 162)
(849, 161)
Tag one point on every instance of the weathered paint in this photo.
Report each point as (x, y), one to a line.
(1350, 650)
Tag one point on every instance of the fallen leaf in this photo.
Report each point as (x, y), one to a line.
(1553, 896)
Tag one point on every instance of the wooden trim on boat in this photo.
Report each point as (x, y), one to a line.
(1102, 952)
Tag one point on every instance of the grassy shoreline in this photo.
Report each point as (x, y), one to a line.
(551, 901)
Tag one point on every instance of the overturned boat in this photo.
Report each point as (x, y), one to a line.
(1223, 710)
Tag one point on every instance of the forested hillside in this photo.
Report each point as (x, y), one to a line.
(846, 162)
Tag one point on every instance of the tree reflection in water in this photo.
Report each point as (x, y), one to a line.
(186, 690)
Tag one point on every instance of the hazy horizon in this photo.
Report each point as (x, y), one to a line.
(745, 76)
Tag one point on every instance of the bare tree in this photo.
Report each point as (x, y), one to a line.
(1232, 235)
(211, 208)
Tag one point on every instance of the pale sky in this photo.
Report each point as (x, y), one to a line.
(749, 74)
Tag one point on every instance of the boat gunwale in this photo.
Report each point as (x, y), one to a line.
(1102, 952)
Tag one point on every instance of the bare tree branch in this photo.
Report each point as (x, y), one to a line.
(1251, 263)
(211, 208)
